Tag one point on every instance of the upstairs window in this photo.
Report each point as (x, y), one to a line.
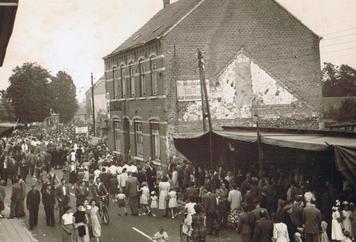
(154, 82)
(123, 81)
(131, 80)
(141, 68)
(115, 83)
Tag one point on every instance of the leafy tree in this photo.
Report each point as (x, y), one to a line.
(29, 93)
(64, 100)
(338, 81)
(347, 111)
(6, 108)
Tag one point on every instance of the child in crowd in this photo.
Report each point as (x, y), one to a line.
(160, 236)
(347, 238)
(324, 236)
(172, 202)
(298, 237)
(154, 204)
(145, 196)
(121, 201)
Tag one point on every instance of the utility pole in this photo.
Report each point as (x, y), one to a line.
(255, 118)
(204, 93)
(93, 103)
(205, 104)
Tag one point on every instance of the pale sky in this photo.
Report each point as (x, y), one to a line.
(74, 35)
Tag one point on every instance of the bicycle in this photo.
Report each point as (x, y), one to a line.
(184, 232)
(104, 210)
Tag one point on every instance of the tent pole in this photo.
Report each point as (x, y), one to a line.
(259, 148)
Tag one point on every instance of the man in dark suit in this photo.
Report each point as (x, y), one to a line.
(312, 222)
(151, 176)
(32, 203)
(105, 177)
(211, 212)
(21, 208)
(132, 193)
(48, 200)
(263, 231)
(63, 197)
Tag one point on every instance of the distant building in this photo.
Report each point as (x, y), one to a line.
(8, 11)
(81, 115)
(259, 59)
(100, 105)
(52, 120)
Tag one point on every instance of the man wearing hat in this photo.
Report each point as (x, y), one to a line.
(32, 203)
(49, 200)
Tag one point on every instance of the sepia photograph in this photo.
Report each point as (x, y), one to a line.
(178, 120)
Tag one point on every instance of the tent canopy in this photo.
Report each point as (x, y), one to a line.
(196, 147)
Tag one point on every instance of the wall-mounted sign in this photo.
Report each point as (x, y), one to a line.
(189, 90)
(81, 130)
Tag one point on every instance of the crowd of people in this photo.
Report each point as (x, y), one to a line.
(275, 205)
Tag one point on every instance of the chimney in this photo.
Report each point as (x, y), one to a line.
(166, 3)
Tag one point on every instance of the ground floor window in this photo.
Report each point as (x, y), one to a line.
(138, 138)
(155, 141)
(117, 135)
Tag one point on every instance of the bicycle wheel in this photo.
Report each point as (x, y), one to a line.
(106, 218)
(181, 235)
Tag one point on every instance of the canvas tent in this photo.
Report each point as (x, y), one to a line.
(242, 146)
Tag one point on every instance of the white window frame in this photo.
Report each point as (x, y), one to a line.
(138, 138)
(155, 141)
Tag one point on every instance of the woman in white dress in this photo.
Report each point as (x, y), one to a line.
(94, 219)
(336, 228)
(280, 230)
(164, 187)
(172, 203)
(346, 214)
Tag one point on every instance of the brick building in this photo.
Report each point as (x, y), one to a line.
(259, 59)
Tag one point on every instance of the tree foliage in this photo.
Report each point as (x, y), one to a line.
(6, 108)
(29, 93)
(347, 111)
(339, 81)
(64, 100)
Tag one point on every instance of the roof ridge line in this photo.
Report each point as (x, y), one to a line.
(181, 19)
(298, 19)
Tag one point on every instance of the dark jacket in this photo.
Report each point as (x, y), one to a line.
(16, 194)
(210, 204)
(245, 226)
(312, 219)
(263, 230)
(33, 199)
(63, 198)
(48, 198)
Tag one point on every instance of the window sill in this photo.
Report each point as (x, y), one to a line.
(138, 158)
(139, 98)
(157, 162)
